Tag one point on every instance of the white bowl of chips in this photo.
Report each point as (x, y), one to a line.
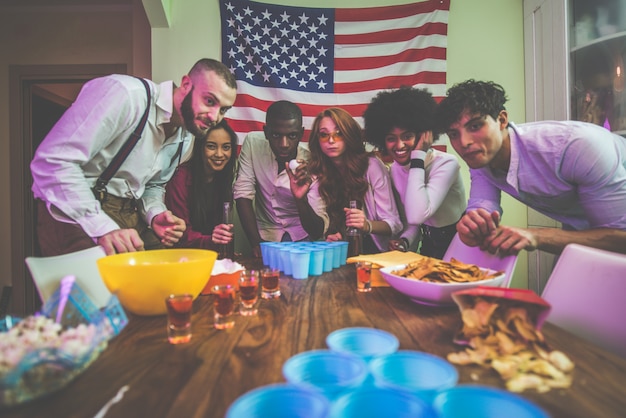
(430, 281)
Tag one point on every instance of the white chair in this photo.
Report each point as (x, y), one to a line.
(47, 273)
(474, 255)
(587, 291)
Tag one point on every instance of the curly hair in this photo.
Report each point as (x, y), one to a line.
(205, 202)
(338, 186)
(407, 108)
(475, 97)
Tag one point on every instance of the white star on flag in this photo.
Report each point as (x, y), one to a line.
(324, 57)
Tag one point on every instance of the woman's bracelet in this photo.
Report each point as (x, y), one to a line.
(403, 245)
(369, 226)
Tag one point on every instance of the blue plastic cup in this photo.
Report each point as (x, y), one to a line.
(374, 402)
(279, 260)
(420, 374)
(285, 259)
(329, 258)
(264, 252)
(316, 263)
(326, 371)
(464, 401)
(300, 260)
(279, 401)
(336, 246)
(366, 343)
(344, 252)
(272, 254)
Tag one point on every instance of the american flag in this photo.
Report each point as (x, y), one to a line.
(323, 57)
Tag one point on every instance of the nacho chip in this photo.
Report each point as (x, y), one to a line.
(504, 334)
(438, 271)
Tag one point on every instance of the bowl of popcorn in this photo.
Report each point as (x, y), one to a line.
(39, 356)
(430, 281)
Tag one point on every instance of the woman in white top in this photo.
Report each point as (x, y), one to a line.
(427, 181)
(347, 172)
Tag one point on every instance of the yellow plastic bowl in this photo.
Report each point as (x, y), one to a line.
(142, 280)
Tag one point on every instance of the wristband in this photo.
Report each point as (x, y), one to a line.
(403, 244)
(369, 226)
(417, 163)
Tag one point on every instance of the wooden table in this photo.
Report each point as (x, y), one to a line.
(203, 377)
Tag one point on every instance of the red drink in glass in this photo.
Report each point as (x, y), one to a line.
(364, 276)
(269, 283)
(223, 306)
(179, 318)
(249, 291)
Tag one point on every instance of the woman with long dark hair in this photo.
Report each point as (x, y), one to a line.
(197, 191)
(346, 171)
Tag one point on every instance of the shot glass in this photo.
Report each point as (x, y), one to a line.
(270, 286)
(179, 318)
(364, 276)
(249, 292)
(223, 306)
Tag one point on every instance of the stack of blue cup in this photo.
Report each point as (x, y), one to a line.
(303, 259)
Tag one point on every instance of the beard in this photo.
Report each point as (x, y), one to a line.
(189, 117)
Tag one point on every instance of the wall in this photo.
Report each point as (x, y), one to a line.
(485, 41)
(40, 35)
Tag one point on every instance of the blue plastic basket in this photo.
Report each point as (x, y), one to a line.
(48, 369)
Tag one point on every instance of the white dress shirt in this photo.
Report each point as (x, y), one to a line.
(86, 138)
(573, 172)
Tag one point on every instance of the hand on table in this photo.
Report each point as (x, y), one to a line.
(507, 240)
(476, 225)
(121, 241)
(333, 237)
(397, 245)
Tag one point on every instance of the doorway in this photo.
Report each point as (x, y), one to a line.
(38, 95)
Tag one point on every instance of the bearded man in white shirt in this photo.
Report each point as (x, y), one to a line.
(129, 214)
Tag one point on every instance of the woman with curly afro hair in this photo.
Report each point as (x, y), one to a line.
(427, 181)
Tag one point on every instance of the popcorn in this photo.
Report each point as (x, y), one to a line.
(38, 332)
